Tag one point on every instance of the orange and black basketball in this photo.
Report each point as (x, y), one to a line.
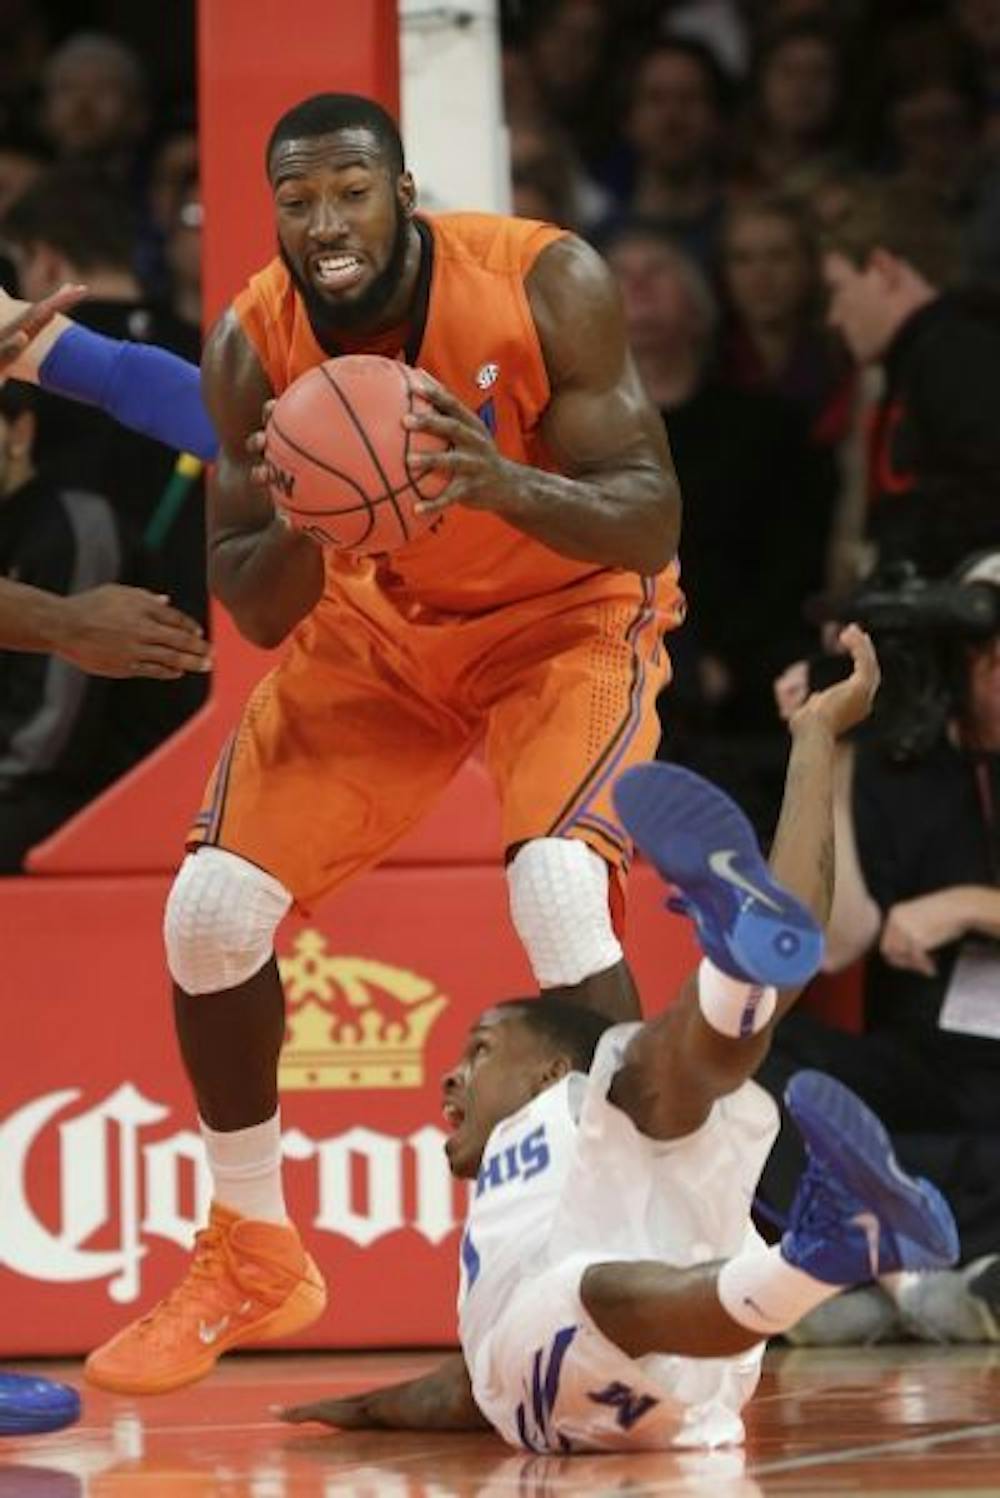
(340, 461)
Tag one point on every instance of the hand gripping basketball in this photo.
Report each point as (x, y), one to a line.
(341, 465)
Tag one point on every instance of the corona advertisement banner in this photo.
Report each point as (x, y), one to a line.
(102, 1179)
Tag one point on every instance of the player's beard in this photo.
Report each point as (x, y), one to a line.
(359, 313)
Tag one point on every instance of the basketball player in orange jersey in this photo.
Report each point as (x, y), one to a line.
(530, 616)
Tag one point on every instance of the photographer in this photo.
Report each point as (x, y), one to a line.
(918, 895)
(934, 435)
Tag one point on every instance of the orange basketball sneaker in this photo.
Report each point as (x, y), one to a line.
(249, 1281)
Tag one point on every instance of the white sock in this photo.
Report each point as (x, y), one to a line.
(731, 1005)
(762, 1291)
(246, 1169)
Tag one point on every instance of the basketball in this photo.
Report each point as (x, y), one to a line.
(339, 459)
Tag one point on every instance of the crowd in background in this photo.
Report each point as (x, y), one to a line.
(706, 148)
(714, 151)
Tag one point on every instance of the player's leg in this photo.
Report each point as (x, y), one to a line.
(311, 792)
(760, 939)
(573, 703)
(856, 1215)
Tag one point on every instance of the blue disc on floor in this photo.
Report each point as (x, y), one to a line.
(29, 1405)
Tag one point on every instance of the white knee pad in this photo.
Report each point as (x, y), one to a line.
(559, 905)
(220, 920)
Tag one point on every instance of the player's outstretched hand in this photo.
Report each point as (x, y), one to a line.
(119, 631)
(440, 1399)
(17, 331)
(356, 1412)
(478, 476)
(846, 704)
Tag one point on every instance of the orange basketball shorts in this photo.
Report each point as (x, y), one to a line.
(345, 745)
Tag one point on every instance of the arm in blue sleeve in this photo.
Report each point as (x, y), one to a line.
(143, 387)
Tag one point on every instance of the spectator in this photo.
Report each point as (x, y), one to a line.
(25, 32)
(94, 103)
(522, 97)
(20, 166)
(934, 125)
(567, 48)
(720, 24)
(775, 340)
(58, 746)
(547, 181)
(676, 127)
(174, 177)
(70, 226)
(918, 895)
(183, 261)
(979, 23)
(796, 104)
(829, 191)
(747, 476)
(934, 458)
(175, 212)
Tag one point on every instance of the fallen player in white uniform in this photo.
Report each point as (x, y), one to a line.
(614, 1293)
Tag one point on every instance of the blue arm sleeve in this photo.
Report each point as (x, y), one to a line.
(143, 387)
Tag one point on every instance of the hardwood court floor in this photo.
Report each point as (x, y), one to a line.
(888, 1420)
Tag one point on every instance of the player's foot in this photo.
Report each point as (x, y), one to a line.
(248, 1282)
(701, 842)
(856, 1213)
(953, 1305)
(29, 1405)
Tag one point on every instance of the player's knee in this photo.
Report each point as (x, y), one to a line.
(220, 920)
(560, 909)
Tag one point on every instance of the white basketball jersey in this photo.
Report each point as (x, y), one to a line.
(518, 1188)
(570, 1173)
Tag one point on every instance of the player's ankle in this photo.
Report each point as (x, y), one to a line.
(762, 1291)
(733, 1006)
(246, 1169)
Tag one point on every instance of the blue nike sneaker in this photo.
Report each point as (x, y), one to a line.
(31, 1405)
(856, 1213)
(700, 841)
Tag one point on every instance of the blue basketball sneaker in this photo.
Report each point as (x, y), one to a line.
(31, 1405)
(856, 1213)
(700, 841)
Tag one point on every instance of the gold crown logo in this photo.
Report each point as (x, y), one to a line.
(353, 1021)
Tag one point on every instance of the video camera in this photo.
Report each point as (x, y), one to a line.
(918, 627)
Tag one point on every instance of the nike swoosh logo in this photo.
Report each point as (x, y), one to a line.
(211, 1333)
(895, 1169)
(869, 1225)
(721, 863)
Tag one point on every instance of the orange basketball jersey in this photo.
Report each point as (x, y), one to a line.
(473, 330)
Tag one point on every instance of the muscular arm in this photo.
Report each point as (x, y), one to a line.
(267, 575)
(439, 1400)
(617, 502)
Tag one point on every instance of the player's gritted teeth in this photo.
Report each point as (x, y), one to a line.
(336, 271)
